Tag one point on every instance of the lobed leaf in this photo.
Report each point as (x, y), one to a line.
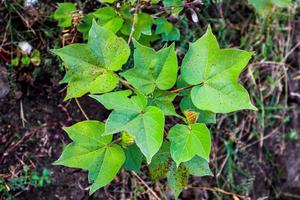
(214, 74)
(189, 141)
(63, 14)
(163, 100)
(144, 123)
(152, 69)
(90, 66)
(92, 151)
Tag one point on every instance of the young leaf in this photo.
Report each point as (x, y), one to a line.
(198, 167)
(160, 164)
(63, 14)
(163, 100)
(190, 110)
(91, 66)
(189, 141)
(177, 179)
(207, 117)
(152, 69)
(90, 150)
(214, 73)
(145, 123)
(126, 139)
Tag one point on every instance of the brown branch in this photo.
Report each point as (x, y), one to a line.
(146, 185)
(81, 109)
(182, 89)
(134, 22)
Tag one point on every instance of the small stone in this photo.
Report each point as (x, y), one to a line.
(4, 85)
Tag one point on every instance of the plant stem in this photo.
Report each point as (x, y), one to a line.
(133, 22)
(146, 185)
(81, 109)
(182, 89)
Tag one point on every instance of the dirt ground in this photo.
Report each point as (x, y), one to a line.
(32, 114)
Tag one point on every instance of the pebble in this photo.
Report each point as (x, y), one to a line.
(4, 85)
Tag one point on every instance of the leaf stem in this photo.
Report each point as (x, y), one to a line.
(185, 88)
(182, 89)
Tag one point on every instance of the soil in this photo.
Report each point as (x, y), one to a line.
(33, 114)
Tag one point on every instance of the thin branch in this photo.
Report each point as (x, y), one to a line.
(81, 109)
(146, 185)
(134, 22)
(182, 89)
(216, 189)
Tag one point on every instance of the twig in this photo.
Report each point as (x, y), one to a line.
(126, 83)
(146, 185)
(22, 114)
(134, 22)
(81, 109)
(12, 147)
(258, 141)
(215, 189)
(291, 51)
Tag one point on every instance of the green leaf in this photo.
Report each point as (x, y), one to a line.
(109, 19)
(214, 72)
(106, 166)
(198, 167)
(167, 29)
(120, 101)
(63, 14)
(189, 141)
(86, 25)
(177, 179)
(152, 69)
(88, 133)
(176, 4)
(264, 7)
(160, 163)
(107, 1)
(111, 51)
(143, 24)
(145, 123)
(91, 66)
(134, 158)
(163, 100)
(91, 150)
